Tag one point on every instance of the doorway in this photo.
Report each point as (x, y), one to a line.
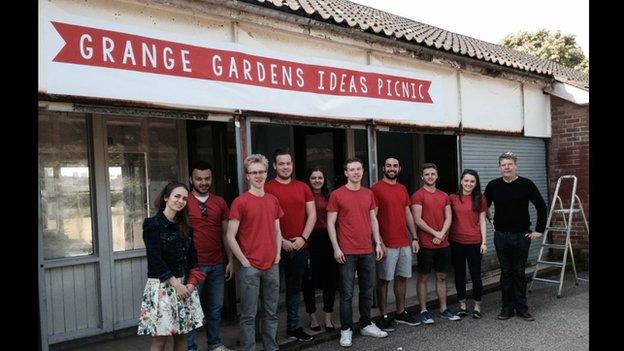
(325, 147)
(214, 142)
(414, 149)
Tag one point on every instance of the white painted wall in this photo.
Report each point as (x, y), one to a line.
(490, 103)
(445, 91)
(254, 36)
(478, 102)
(536, 112)
(102, 13)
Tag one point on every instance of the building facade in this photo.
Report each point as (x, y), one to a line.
(132, 92)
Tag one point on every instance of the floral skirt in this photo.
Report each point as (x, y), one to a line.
(164, 313)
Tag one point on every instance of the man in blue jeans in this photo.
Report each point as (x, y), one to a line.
(208, 215)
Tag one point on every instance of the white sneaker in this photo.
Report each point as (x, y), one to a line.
(374, 331)
(220, 348)
(345, 337)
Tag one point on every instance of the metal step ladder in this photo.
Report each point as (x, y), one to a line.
(567, 214)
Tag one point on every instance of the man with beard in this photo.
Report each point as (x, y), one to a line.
(352, 208)
(395, 219)
(431, 208)
(297, 202)
(208, 216)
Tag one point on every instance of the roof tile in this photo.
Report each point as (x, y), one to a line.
(351, 15)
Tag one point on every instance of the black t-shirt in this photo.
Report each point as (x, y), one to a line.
(511, 204)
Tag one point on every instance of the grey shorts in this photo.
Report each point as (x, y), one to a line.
(398, 261)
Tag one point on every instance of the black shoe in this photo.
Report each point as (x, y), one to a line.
(387, 324)
(298, 334)
(317, 328)
(329, 327)
(525, 315)
(477, 315)
(406, 318)
(505, 315)
(461, 313)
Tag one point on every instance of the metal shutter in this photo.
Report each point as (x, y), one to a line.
(480, 152)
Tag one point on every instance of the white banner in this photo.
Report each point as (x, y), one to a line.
(85, 57)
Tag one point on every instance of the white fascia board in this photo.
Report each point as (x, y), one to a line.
(570, 93)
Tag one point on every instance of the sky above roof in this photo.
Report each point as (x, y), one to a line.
(491, 20)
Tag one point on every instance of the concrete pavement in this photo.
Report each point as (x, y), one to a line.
(562, 324)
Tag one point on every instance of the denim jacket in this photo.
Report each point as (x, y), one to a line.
(168, 254)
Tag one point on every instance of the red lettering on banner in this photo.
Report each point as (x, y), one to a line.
(110, 49)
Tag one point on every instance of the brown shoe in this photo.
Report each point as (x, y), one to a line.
(525, 315)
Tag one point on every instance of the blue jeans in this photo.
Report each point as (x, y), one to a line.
(211, 297)
(365, 267)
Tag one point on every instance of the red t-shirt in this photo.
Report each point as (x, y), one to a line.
(392, 200)
(256, 231)
(292, 199)
(321, 212)
(433, 205)
(465, 228)
(354, 225)
(207, 230)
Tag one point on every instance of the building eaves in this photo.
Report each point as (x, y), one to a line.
(359, 17)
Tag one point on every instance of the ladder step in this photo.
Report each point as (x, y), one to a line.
(554, 246)
(557, 229)
(575, 210)
(546, 280)
(550, 263)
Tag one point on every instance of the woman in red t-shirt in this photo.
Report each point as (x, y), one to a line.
(322, 269)
(468, 238)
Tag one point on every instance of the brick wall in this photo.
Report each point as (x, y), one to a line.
(568, 153)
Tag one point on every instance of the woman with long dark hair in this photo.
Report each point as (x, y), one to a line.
(322, 269)
(170, 305)
(468, 238)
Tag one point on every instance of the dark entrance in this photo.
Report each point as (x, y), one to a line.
(320, 147)
(311, 147)
(214, 142)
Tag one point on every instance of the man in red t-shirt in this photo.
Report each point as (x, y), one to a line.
(297, 202)
(432, 213)
(353, 207)
(208, 216)
(395, 219)
(254, 237)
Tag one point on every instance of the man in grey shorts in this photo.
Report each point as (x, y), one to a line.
(395, 219)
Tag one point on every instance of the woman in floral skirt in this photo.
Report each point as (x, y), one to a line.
(170, 304)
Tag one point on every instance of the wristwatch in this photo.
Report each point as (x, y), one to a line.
(414, 239)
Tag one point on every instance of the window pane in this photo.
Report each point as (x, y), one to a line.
(65, 212)
(142, 158)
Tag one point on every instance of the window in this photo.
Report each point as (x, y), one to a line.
(142, 159)
(64, 185)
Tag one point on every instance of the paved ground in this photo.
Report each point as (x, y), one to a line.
(562, 324)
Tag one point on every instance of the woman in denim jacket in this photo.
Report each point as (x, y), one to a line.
(170, 303)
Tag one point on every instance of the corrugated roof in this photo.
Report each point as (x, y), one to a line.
(364, 18)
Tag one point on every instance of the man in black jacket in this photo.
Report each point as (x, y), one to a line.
(512, 237)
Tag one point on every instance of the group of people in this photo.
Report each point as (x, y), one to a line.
(321, 239)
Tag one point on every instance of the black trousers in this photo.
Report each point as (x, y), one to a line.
(471, 253)
(512, 250)
(293, 264)
(321, 272)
